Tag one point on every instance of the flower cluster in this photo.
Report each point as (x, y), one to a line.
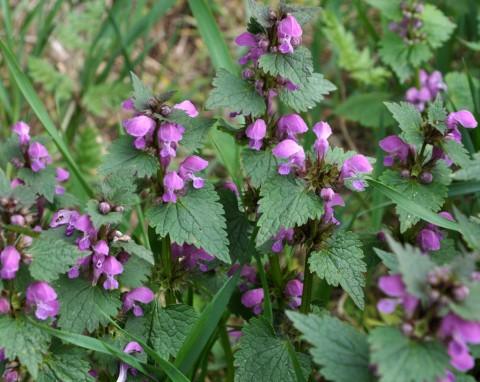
(35, 155)
(428, 239)
(409, 27)
(190, 257)
(163, 137)
(434, 317)
(430, 86)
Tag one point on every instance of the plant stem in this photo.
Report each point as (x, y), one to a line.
(227, 350)
(276, 272)
(267, 312)
(307, 287)
(167, 269)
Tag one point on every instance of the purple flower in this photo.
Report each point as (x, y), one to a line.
(289, 34)
(393, 286)
(168, 136)
(397, 149)
(4, 305)
(257, 46)
(336, 200)
(462, 117)
(142, 294)
(290, 125)
(65, 217)
(85, 225)
(10, 259)
(284, 234)
(44, 297)
(293, 293)
(128, 104)
(62, 175)
(111, 267)
(188, 107)
(248, 275)
(22, 129)
(191, 257)
(191, 165)
(253, 299)
(142, 128)
(291, 150)
(350, 168)
(38, 156)
(232, 187)
(428, 240)
(172, 182)
(246, 39)
(435, 83)
(12, 375)
(17, 220)
(256, 132)
(132, 347)
(322, 130)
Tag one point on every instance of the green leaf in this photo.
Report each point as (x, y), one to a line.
(367, 109)
(401, 359)
(302, 14)
(163, 329)
(98, 219)
(437, 114)
(51, 79)
(446, 253)
(25, 195)
(338, 156)
(196, 218)
(459, 91)
(470, 230)
(119, 189)
(232, 92)
(414, 208)
(19, 338)
(53, 254)
(10, 149)
(340, 350)
(469, 309)
(135, 249)
(259, 166)
(395, 52)
(260, 349)
(141, 93)
(409, 120)
(81, 305)
(436, 25)
(430, 196)
(5, 189)
(470, 170)
(339, 261)
(261, 13)
(388, 259)
(122, 155)
(136, 273)
(42, 182)
(285, 202)
(238, 227)
(311, 91)
(296, 66)
(88, 149)
(388, 8)
(64, 366)
(456, 151)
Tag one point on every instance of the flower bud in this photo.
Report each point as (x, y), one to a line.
(17, 220)
(405, 174)
(407, 328)
(263, 43)
(259, 85)
(461, 292)
(165, 110)
(119, 208)
(419, 8)
(4, 305)
(104, 208)
(247, 73)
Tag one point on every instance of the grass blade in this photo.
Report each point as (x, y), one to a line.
(414, 208)
(32, 98)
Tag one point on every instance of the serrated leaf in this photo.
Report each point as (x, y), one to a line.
(141, 93)
(469, 309)
(259, 350)
(395, 52)
(285, 202)
(66, 367)
(436, 25)
(470, 230)
(196, 129)
(88, 149)
(197, 218)
(5, 188)
(437, 114)
(399, 358)
(339, 261)
(389, 259)
(98, 219)
(456, 151)
(340, 350)
(42, 182)
(302, 14)
(258, 166)
(19, 338)
(102, 98)
(136, 272)
(53, 254)
(446, 253)
(311, 91)
(261, 13)
(235, 93)
(296, 66)
(431, 196)
(82, 306)
(119, 189)
(338, 156)
(367, 109)
(123, 155)
(388, 8)
(135, 249)
(25, 195)
(470, 170)
(51, 79)
(409, 119)
(10, 149)
(164, 329)
(238, 227)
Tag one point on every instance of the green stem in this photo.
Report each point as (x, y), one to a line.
(266, 299)
(307, 287)
(276, 272)
(227, 350)
(167, 269)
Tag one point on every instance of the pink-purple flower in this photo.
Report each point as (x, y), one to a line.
(254, 299)
(289, 34)
(191, 257)
(130, 300)
(23, 130)
(289, 126)
(356, 164)
(394, 287)
(293, 293)
(44, 297)
(38, 156)
(132, 347)
(10, 259)
(322, 130)
(190, 165)
(172, 182)
(291, 150)
(256, 132)
(282, 237)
